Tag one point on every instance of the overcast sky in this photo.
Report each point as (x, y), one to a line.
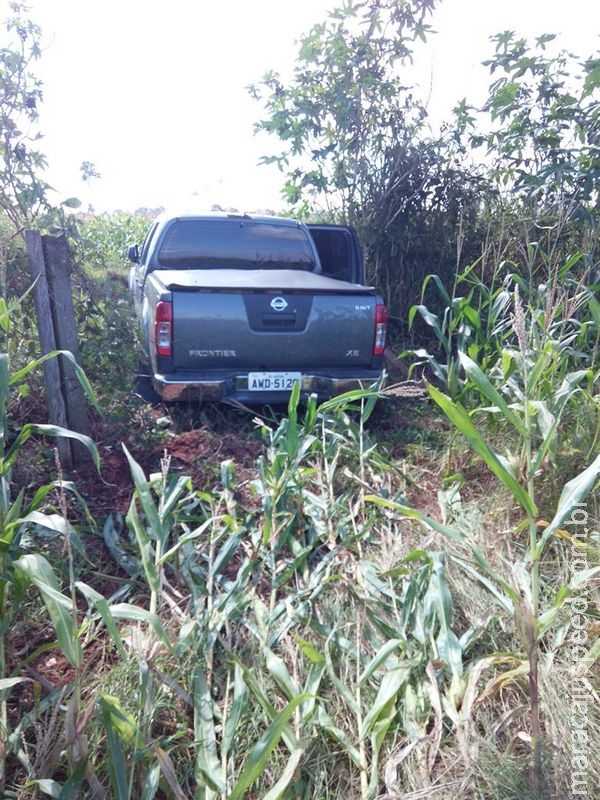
(153, 92)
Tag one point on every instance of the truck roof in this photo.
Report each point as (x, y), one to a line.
(173, 214)
(221, 240)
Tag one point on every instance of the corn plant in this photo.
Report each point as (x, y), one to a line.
(197, 538)
(531, 387)
(304, 485)
(473, 322)
(136, 764)
(18, 515)
(221, 771)
(168, 522)
(189, 537)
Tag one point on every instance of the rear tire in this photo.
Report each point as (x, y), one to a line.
(143, 386)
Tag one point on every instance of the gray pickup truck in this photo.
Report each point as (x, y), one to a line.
(239, 307)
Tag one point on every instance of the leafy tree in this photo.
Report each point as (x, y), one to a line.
(22, 191)
(355, 141)
(541, 132)
(347, 106)
(545, 115)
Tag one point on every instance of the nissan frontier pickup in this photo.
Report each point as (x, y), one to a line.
(240, 307)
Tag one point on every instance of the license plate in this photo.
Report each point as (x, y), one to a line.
(272, 381)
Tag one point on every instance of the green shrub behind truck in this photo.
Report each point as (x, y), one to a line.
(239, 307)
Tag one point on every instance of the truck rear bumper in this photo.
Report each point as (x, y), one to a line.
(174, 388)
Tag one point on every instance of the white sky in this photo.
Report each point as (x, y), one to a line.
(153, 92)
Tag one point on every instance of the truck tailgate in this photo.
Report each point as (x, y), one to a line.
(272, 329)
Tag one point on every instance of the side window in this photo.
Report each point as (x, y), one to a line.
(146, 244)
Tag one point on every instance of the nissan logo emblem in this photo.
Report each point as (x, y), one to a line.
(279, 304)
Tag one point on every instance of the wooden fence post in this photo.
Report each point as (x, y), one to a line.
(57, 257)
(50, 265)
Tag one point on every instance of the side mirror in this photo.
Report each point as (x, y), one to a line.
(133, 253)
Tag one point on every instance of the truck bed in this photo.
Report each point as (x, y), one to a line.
(257, 280)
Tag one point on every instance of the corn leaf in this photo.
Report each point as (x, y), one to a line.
(338, 735)
(238, 706)
(344, 692)
(136, 614)
(413, 513)
(448, 644)
(8, 683)
(262, 750)
(463, 422)
(225, 554)
(580, 580)
(388, 691)
(507, 599)
(489, 391)
(17, 376)
(308, 649)
(169, 502)
(48, 787)
(187, 537)
(145, 496)
(287, 776)
(151, 782)
(29, 429)
(144, 545)
(289, 737)
(208, 766)
(167, 769)
(430, 319)
(572, 497)
(100, 602)
(39, 572)
(279, 672)
(114, 719)
(379, 658)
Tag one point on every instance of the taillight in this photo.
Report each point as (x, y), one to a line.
(163, 328)
(381, 318)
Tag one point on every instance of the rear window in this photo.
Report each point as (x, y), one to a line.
(235, 244)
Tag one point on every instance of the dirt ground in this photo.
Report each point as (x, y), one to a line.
(194, 439)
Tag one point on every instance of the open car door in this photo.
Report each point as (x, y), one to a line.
(339, 252)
